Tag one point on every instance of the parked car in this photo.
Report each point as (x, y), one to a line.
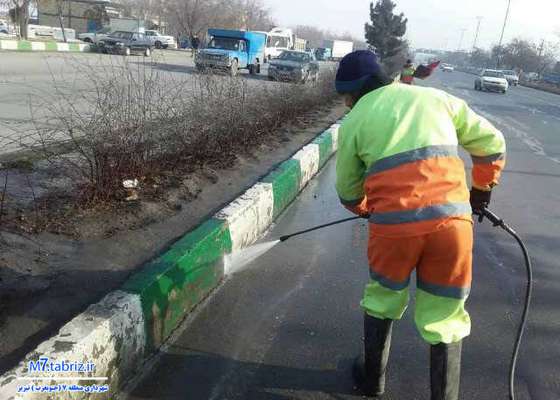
(4, 28)
(126, 43)
(491, 80)
(94, 37)
(294, 66)
(231, 50)
(511, 76)
(160, 41)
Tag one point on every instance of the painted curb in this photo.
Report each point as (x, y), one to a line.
(110, 332)
(129, 325)
(29, 46)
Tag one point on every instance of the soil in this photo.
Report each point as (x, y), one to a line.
(52, 268)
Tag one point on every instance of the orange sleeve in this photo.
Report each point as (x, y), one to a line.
(487, 171)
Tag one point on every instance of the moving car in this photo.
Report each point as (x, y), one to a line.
(231, 50)
(294, 66)
(492, 80)
(126, 43)
(447, 68)
(511, 76)
(160, 41)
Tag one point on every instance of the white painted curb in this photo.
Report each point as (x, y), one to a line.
(38, 46)
(308, 158)
(8, 44)
(63, 47)
(110, 334)
(249, 216)
(334, 135)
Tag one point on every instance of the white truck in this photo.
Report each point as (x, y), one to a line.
(160, 41)
(278, 40)
(339, 48)
(127, 25)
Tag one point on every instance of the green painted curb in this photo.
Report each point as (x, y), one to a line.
(24, 45)
(174, 283)
(285, 184)
(171, 285)
(51, 46)
(325, 147)
(74, 47)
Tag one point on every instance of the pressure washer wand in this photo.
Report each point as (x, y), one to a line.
(286, 237)
(499, 222)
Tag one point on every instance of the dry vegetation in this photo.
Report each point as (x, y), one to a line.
(135, 122)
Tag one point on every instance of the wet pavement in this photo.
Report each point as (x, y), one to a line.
(288, 326)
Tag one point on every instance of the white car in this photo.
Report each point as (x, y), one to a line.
(95, 37)
(4, 28)
(447, 68)
(160, 41)
(511, 76)
(491, 80)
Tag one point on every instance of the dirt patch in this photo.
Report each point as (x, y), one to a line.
(47, 278)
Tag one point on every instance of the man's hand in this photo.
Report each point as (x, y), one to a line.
(480, 199)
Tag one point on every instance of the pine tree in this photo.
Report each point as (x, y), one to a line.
(386, 31)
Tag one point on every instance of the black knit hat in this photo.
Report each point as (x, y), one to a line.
(355, 69)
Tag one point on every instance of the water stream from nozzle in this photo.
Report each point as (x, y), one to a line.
(239, 260)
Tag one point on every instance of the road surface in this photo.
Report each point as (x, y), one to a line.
(289, 326)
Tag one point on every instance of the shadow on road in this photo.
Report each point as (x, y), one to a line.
(210, 376)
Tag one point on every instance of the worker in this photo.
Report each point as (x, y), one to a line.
(398, 165)
(407, 73)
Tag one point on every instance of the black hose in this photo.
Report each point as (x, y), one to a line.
(286, 237)
(497, 221)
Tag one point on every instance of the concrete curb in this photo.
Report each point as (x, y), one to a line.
(119, 333)
(27, 46)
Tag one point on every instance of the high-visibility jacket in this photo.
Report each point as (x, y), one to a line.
(407, 75)
(398, 158)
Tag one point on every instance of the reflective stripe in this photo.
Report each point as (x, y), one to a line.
(351, 203)
(444, 291)
(488, 159)
(388, 283)
(420, 214)
(414, 155)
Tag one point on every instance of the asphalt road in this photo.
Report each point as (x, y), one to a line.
(32, 83)
(288, 326)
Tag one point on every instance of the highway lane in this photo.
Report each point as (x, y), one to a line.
(288, 326)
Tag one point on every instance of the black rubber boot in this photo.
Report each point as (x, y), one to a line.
(445, 371)
(369, 370)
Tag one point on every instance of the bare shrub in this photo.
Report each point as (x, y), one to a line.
(132, 121)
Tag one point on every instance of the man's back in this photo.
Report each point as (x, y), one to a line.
(403, 142)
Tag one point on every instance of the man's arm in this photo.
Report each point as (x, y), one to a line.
(483, 141)
(350, 171)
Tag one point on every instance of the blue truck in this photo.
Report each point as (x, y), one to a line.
(232, 50)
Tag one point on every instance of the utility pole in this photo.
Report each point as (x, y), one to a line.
(502, 35)
(462, 37)
(477, 32)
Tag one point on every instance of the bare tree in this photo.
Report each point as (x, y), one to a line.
(19, 15)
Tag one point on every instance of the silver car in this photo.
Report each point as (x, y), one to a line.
(293, 66)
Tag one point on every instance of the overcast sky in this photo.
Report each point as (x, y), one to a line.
(432, 23)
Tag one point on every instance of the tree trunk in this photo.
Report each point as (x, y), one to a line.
(61, 21)
(23, 19)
